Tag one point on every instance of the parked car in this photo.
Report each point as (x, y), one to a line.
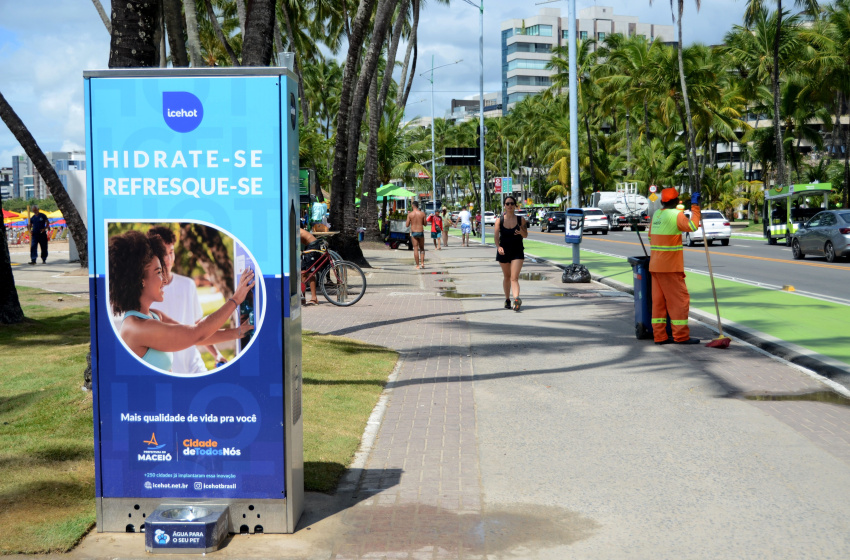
(717, 228)
(827, 234)
(522, 214)
(554, 220)
(489, 218)
(595, 221)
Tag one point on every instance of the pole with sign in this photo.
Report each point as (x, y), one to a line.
(208, 155)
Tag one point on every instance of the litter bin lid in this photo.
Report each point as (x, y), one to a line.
(636, 261)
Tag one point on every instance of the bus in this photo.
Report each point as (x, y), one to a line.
(787, 208)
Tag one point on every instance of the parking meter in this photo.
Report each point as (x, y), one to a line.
(573, 225)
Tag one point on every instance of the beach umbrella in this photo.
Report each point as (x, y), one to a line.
(8, 214)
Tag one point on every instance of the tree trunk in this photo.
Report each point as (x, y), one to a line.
(160, 40)
(590, 153)
(174, 28)
(54, 185)
(646, 122)
(403, 88)
(383, 19)
(412, 73)
(781, 178)
(689, 124)
(102, 13)
(338, 183)
(192, 37)
(222, 39)
(240, 12)
(289, 31)
(369, 202)
(845, 133)
(10, 305)
(257, 38)
(134, 27)
(377, 101)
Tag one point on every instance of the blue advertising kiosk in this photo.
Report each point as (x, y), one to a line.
(211, 155)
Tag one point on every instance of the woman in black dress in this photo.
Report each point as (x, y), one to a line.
(509, 232)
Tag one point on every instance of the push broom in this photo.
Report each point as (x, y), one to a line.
(722, 341)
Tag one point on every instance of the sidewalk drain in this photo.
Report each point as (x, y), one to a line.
(819, 396)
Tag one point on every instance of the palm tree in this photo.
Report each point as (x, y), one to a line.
(754, 10)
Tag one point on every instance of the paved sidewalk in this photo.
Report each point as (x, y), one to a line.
(554, 433)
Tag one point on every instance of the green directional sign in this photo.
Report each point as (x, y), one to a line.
(304, 181)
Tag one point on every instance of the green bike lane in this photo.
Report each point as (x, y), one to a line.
(817, 325)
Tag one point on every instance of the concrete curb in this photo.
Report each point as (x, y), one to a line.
(793, 353)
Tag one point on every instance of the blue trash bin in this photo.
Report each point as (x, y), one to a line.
(643, 298)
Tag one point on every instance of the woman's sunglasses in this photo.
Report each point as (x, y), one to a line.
(510, 204)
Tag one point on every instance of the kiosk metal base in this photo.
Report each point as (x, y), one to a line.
(183, 528)
(128, 515)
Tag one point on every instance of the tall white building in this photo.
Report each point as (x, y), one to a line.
(28, 184)
(527, 44)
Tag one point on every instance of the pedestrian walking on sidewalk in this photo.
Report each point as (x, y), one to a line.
(667, 268)
(465, 217)
(38, 231)
(509, 231)
(447, 224)
(436, 229)
(416, 223)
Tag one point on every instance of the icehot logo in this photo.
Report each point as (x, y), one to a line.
(182, 111)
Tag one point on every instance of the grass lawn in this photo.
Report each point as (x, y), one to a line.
(46, 450)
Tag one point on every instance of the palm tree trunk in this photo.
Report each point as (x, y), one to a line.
(134, 27)
(174, 26)
(340, 198)
(689, 124)
(193, 39)
(369, 202)
(781, 177)
(383, 19)
(845, 137)
(646, 122)
(102, 13)
(590, 152)
(403, 86)
(223, 40)
(291, 34)
(54, 185)
(240, 12)
(10, 305)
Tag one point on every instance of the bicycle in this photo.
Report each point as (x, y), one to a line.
(343, 283)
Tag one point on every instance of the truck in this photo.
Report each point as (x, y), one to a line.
(624, 207)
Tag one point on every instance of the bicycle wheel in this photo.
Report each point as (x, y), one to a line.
(343, 284)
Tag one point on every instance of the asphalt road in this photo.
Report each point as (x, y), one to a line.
(745, 260)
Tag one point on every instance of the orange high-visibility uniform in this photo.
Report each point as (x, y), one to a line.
(667, 267)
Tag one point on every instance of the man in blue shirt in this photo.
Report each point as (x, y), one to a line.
(38, 230)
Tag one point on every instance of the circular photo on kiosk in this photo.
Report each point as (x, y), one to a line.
(186, 298)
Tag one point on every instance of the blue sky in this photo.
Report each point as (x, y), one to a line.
(45, 46)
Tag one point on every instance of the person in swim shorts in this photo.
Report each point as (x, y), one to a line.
(416, 223)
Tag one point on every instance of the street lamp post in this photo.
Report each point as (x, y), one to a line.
(481, 105)
(433, 155)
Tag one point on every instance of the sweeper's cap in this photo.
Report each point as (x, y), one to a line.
(669, 194)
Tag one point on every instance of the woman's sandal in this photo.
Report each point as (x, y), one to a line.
(308, 303)
(507, 304)
(517, 303)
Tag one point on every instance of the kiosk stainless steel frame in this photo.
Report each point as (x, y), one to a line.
(214, 151)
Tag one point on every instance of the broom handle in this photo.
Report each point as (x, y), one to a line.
(711, 275)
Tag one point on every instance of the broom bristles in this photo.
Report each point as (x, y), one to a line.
(722, 342)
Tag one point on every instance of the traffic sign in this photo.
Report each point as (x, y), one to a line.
(652, 188)
(653, 197)
(497, 185)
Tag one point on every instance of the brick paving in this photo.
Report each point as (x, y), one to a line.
(420, 492)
